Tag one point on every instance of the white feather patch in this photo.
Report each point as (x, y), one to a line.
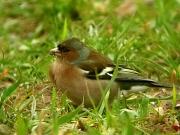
(85, 71)
(109, 74)
(106, 70)
(128, 71)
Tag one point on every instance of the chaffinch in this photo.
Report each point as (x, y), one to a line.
(84, 74)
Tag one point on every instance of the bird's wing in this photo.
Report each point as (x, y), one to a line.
(93, 61)
(126, 77)
(108, 72)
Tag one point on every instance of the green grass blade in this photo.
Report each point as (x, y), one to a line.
(65, 30)
(174, 94)
(68, 117)
(7, 93)
(54, 112)
(21, 126)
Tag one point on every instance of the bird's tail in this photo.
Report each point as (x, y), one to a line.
(130, 83)
(159, 84)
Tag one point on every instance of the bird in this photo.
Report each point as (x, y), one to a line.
(84, 74)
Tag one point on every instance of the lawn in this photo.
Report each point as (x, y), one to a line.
(141, 34)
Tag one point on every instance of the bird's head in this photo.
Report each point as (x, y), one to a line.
(71, 50)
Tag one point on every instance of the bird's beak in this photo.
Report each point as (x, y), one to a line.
(54, 51)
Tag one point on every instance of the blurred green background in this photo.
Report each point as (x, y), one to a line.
(143, 34)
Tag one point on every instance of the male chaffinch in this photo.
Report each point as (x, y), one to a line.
(83, 74)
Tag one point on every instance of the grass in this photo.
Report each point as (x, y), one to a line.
(144, 35)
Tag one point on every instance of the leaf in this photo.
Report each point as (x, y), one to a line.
(143, 107)
(93, 131)
(33, 108)
(53, 102)
(174, 94)
(53, 110)
(128, 114)
(7, 92)
(21, 126)
(65, 30)
(104, 102)
(2, 115)
(68, 117)
(63, 119)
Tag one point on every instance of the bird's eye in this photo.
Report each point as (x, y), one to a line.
(63, 49)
